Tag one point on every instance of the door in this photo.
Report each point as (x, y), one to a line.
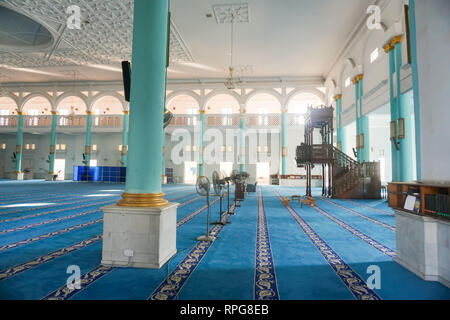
(60, 168)
(190, 172)
(263, 173)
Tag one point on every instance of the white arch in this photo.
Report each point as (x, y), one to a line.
(270, 92)
(351, 63)
(32, 95)
(319, 94)
(216, 92)
(12, 97)
(72, 94)
(174, 94)
(114, 94)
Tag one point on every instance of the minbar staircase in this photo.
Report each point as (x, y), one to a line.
(352, 179)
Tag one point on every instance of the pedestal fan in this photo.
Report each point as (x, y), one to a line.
(219, 189)
(203, 185)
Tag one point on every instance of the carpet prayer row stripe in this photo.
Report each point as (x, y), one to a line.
(385, 225)
(47, 212)
(63, 293)
(48, 235)
(172, 285)
(72, 202)
(383, 249)
(10, 272)
(266, 287)
(63, 218)
(348, 276)
(38, 224)
(369, 207)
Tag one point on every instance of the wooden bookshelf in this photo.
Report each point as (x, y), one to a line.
(398, 191)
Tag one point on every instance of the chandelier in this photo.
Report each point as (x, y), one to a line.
(232, 83)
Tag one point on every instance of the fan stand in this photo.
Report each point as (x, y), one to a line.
(221, 213)
(228, 196)
(207, 236)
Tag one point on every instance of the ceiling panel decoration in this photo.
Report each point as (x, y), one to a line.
(105, 37)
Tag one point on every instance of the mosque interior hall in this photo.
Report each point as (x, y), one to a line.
(224, 150)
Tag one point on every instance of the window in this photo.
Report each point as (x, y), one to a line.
(33, 147)
(192, 120)
(263, 119)
(60, 147)
(347, 82)
(230, 149)
(119, 148)
(224, 148)
(4, 120)
(96, 118)
(94, 147)
(63, 119)
(194, 148)
(33, 119)
(374, 55)
(3, 146)
(188, 148)
(299, 120)
(227, 120)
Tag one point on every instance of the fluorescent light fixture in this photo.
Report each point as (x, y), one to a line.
(200, 66)
(108, 68)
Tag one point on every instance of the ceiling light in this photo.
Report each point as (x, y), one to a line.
(109, 68)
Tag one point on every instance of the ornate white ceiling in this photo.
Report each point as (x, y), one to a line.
(105, 40)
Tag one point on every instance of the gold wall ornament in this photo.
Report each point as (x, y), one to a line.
(87, 150)
(18, 148)
(52, 149)
(149, 200)
(21, 113)
(126, 112)
(395, 40)
(202, 111)
(124, 150)
(337, 97)
(88, 112)
(401, 128)
(55, 113)
(388, 47)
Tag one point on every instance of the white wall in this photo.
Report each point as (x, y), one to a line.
(433, 51)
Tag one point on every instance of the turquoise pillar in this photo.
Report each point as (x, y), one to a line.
(126, 119)
(201, 165)
(415, 81)
(51, 166)
(406, 148)
(149, 58)
(242, 146)
(163, 157)
(363, 125)
(343, 140)
(394, 115)
(19, 146)
(87, 149)
(283, 141)
(358, 129)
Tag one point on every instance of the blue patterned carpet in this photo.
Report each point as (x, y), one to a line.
(267, 251)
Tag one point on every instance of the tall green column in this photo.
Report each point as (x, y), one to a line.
(19, 146)
(406, 148)
(338, 100)
(150, 40)
(357, 115)
(242, 147)
(363, 124)
(126, 118)
(415, 81)
(88, 146)
(51, 166)
(201, 165)
(394, 111)
(284, 152)
(163, 157)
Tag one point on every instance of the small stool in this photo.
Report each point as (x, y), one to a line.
(286, 201)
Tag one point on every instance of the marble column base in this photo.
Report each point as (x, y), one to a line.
(423, 246)
(17, 176)
(139, 237)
